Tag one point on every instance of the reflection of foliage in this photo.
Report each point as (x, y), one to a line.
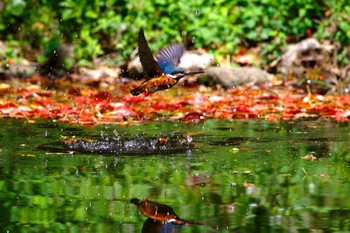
(102, 27)
(263, 183)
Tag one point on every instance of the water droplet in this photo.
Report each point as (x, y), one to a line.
(189, 139)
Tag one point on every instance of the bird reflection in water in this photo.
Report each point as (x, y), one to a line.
(161, 218)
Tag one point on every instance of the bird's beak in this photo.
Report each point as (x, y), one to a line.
(194, 72)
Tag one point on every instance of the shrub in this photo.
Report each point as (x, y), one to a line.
(99, 27)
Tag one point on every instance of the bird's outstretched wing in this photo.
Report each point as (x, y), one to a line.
(149, 64)
(169, 57)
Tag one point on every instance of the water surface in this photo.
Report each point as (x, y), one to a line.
(233, 176)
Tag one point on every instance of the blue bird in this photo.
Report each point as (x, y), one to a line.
(161, 70)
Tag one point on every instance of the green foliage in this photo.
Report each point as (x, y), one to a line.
(336, 28)
(102, 27)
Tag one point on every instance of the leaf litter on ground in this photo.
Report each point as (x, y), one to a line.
(109, 102)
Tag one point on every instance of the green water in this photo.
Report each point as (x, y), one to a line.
(237, 177)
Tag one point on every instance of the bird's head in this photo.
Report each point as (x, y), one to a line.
(179, 74)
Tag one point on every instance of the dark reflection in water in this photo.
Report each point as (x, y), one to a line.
(154, 226)
(117, 144)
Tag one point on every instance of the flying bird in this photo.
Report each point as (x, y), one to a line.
(161, 70)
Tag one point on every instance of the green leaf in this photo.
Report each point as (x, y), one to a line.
(91, 14)
(302, 12)
(17, 7)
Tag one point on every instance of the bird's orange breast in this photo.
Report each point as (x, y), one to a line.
(157, 84)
